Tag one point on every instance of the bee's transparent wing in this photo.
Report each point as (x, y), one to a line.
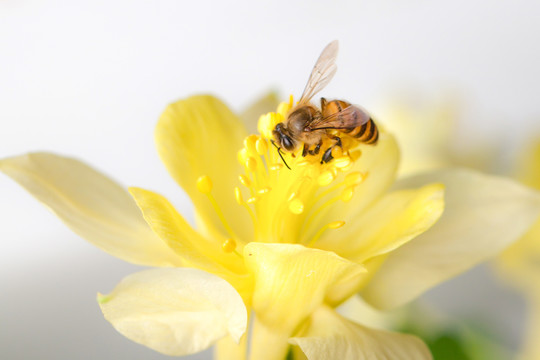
(348, 118)
(324, 70)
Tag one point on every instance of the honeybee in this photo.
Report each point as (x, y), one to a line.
(306, 124)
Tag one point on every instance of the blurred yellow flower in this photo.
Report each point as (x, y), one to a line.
(284, 247)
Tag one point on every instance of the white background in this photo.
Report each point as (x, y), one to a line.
(89, 79)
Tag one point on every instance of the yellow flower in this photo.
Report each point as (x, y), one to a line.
(284, 246)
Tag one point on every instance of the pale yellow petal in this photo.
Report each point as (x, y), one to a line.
(390, 222)
(330, 336)
(292, 280)
(192, 247)
(483, 214)
(378, 165)
(261, 106)
(92, 205)
(200, 136)
(519, 264)
(528, 168)
(175, 311)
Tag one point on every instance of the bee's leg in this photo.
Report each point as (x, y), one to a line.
(327, 156)
(305, 150)
(317, 148)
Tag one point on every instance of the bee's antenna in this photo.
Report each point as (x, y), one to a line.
(279, 152)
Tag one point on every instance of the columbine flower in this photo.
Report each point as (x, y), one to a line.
(282, 246)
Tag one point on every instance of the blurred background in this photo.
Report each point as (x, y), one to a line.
(90, 79)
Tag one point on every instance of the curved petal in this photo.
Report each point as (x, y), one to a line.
(520, 263)
(378, 163)
(194, 249)
(292, 280)
(175, 311)
(483, 214)
(330, 336)
(201, 136)
(92, 205)
(389, 223)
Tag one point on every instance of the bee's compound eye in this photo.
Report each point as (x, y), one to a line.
(287, 142)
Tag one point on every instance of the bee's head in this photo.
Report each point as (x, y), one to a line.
(282, 138)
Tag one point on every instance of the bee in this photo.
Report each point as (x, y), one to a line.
(308, 125)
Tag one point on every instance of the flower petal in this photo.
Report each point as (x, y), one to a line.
(389, 223)
(378, 163)
(292, 280)
(331, 336)
(483, 214)
(175, 311)
(92, 205)
(201, 136)
(194, 249)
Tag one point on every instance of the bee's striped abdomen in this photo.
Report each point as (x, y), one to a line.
(367, 133)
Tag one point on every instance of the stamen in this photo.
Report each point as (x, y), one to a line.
(275, 167)
(229, 245)
(252, 200)
(347, 194)
(242, 156)
(261, 146)
(240, 201)
(264, 190)
(249, 143)
(296, 206)
(251, 164)
(332, 225)
(337, 152)
(244, 180)
(326, 178)
(342, 162)
(204, 185)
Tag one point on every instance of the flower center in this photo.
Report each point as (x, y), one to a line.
(296, 205)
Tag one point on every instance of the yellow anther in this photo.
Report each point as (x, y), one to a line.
(204, 184)
(291, 100)
(336, 224)
(353, 178)
(249, 144)
(342, 162)
(229, 245)
(244, 180)
(296, 206)
(264, 190)
(261, 146)
(337, 152)
(283, 109)
(332, 225)
(303, 163)
(347, 194)
(238, 195)
(326, 178)
(252, 200)
(355, 154)
(348, 167)
(251, 164)
(242, 156)
(275, 167)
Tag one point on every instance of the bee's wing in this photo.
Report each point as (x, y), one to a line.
(324, 70)
(348, 118)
